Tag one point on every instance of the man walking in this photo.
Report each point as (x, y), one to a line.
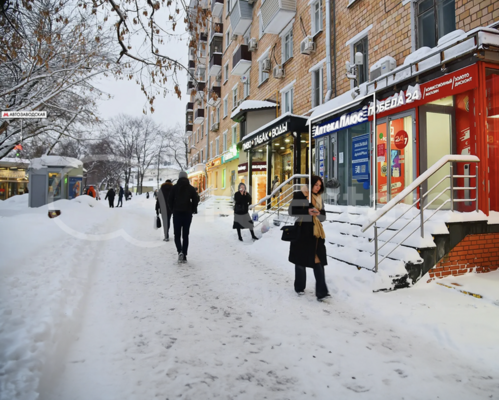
(183, 201)
(110, 197)
(120, 197)
(161, 205)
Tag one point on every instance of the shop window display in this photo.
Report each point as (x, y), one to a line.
(54, 186)
(492, 132)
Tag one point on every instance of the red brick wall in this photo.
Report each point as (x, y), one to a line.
(479, 253)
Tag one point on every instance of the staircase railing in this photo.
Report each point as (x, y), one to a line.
(283, 199)
(420, 205)
(206, 194)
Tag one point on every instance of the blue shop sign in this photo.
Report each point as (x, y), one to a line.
(347, 120)
(360, 157)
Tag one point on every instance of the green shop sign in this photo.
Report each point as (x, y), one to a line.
(231, 154)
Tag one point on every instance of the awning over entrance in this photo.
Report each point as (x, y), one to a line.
(285, 123)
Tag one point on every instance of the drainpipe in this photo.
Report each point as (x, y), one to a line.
(328, 50)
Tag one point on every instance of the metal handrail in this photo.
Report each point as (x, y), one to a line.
(205, 194)
(281, 204)
(418, 183)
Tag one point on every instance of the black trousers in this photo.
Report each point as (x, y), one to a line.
(167, 217)
(120, 201)
(320, 280)
(181, 226)
(111, 202)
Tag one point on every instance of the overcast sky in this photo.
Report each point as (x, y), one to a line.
(128, 99)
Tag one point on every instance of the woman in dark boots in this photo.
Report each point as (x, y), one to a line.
(309, 250)
(242, 219)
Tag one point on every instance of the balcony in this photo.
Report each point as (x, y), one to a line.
(216, 45)
(189, 108)
(190, 86)
(214, 96)
(188, 128)
(199, 115)
(215, 64)
(241, 17)
(217, 30)
(200, 86)
(191, 64)
(203, 37)
(217, 7)
(276, 14)
(241, 60)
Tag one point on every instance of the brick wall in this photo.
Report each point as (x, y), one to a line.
(478, 253)
(471, 14)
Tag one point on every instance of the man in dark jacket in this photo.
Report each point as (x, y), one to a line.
(183, 201)
(110, 196)
(162, 205)
(120, 197)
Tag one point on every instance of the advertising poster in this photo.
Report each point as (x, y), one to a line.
(360, 157)
(74, 187)
(397, 158)
(381, 164)
(54, 185)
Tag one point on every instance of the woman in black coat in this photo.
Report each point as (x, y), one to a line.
(242, 219)
(309, 250)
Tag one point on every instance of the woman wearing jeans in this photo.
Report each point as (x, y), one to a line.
(309, 251)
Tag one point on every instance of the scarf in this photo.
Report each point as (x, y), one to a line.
(318, 228)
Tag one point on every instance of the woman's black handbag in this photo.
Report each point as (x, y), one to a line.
(158, 222)
(291, 233)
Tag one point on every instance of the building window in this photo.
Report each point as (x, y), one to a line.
(202, 130)
(218, 114)
(211, 150)
(316, 11)
(361, 47)
(197, 135)
(287, 100)
(262, 76)
(234, 134)
(217, 145)
(225, 141)
(202, 155)
(316, 87)
(223, 178)
(435, 18)
(234, 97)
(226, 106)
(246, 85)
(227, 38)
(226, 72)
(287, 45)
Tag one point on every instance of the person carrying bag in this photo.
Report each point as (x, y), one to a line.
(308, 249)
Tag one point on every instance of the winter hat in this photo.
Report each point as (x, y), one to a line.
(182, 174)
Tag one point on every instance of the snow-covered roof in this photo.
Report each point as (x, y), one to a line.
(252, 105)
(55, 161)
(449, 47)
(15, 161)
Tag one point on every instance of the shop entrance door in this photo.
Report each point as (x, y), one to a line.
(436, 127)
(395, 155)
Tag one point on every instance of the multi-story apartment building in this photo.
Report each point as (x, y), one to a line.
(271, 66)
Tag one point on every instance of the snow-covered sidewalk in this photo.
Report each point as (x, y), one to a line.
(94, 306)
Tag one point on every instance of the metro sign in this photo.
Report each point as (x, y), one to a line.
(18, 147)
(24, 114)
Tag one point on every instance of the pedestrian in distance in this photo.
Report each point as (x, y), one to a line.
(276, 196)
(162, 206)
(120, 197)
(242, 219)
(147, 195)
(183, 201)
(91, 192)
(110, 197)
(309, 250)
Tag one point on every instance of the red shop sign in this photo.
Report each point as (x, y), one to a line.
(458, 82)
(381, 150)
(401, 138)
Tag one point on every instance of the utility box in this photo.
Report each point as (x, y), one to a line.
(53, 178)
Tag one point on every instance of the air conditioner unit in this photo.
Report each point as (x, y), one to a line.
(233, 37)
(278, 72)
(307, 45)
(383, 66)
(252, 44)
(215, 127)
(266, 65)
(251, 1)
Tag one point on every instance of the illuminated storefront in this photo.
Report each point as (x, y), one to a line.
(418, 121)
(230, 162)
(277, 149)
(13, 177)
(197, 177)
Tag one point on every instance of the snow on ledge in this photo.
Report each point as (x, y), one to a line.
(252, 105)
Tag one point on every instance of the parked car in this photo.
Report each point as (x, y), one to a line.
(85, 191)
